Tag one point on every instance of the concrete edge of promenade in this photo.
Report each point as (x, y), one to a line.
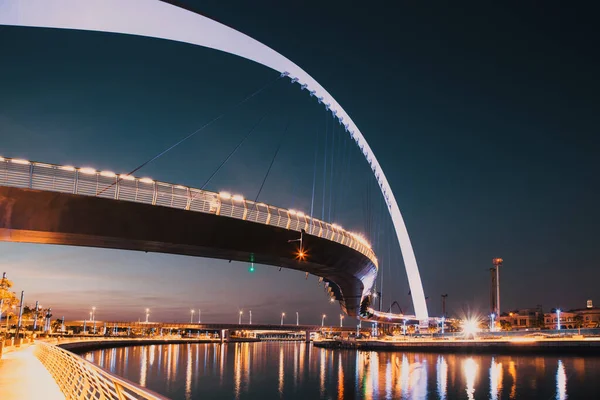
(546, 346)
(79, 346)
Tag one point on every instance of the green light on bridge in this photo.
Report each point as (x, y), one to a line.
(251, 268)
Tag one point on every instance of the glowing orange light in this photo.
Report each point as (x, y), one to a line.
(301, 254)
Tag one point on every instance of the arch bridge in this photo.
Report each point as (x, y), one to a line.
(54, 204)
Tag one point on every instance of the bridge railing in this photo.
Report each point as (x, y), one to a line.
(106, 184)
(78, 378)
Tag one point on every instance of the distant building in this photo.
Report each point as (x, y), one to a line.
(526, 318)
(531, 318)
(590, 315)
(567, 320)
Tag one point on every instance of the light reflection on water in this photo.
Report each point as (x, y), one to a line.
(299, 371)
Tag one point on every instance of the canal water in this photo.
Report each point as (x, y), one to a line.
(294, 370)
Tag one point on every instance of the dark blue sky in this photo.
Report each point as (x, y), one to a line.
(484, 118)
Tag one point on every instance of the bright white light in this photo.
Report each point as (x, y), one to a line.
(108, 174)
(292, 212)
(67, 168)
(237, 197)
(126, 177)
(1, 158)
(146, 180)
(180, 187)
(19, 161)
(87, 171)
(470, 326)
(225, 195)
(300, 214)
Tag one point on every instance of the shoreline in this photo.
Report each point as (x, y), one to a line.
(547, 346)
(84, 346)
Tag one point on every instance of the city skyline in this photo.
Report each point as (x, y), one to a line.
(116, 100)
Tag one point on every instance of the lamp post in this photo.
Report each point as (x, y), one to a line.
(443, 323)
(297, 319)
(250, 311)
(282, 316)
(492, 316)
(240, 318)
(199, 316)
(192, 316)
(20, 320)
(341, 320)
(147, 314)
(35, 315)
(558, 319)
(323, 320)
(94, 318)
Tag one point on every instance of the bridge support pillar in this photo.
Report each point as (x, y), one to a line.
(224, 335)
(307, 337)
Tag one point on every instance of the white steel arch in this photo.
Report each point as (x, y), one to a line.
(153, 18)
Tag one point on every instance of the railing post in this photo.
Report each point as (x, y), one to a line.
(245, 211)
(154, 193)
(30, 175)
(119, 390)
(189, 199)
(117, 188)
(76, 182)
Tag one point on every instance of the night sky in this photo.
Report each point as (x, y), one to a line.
(484, 118)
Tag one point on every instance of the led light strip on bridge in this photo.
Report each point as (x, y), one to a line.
(89, 182)
(159, 19)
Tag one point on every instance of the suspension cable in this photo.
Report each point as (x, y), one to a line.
(207, 124)
(331, 184)
(235, 149)
(273, 159)
(324, 170)
(312, 200)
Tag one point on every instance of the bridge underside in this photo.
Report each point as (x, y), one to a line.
(57, 218)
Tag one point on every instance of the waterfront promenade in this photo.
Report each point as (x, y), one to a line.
(521, 344)
(23, 376)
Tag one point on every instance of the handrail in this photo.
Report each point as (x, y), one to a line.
(106, 184)
(78, 378)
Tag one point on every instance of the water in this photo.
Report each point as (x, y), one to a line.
(284, 370)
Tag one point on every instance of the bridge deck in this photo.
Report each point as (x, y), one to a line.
(22, 376)
(50, 204)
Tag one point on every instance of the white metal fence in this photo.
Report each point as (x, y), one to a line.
(80, 379)
(89, 182)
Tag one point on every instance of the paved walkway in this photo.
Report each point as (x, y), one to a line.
(22, 376)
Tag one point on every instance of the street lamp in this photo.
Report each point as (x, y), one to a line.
(297, 319)
(282, 316)
(331, 300)
(94, 318)
(558, 319)
(199, 316)
(323, 320)
(250, 311)
(147, 314)
(492, 316)
(341, 320)
(192, 316)
(240, 318)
